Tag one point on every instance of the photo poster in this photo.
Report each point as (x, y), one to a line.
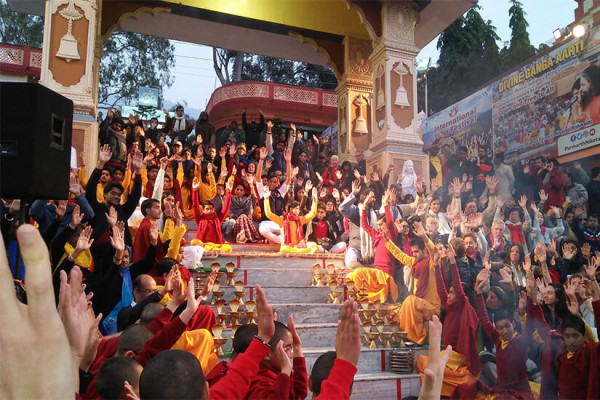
(544, 102)
(466, 123)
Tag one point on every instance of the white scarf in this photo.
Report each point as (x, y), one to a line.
(179, 124)
(366, 243)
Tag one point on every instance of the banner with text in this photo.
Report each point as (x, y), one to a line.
(534, 110)
(539, 102)
(468, 123)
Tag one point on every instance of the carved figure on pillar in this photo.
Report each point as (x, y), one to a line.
(401, 94)
(360, 123)
(68, 43)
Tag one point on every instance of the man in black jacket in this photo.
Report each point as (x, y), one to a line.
(111, 211)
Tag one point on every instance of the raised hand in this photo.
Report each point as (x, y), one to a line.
(491, 183)
(319, 177)
(60, 209)
(418, 229)
(451, 254)
(208, 285)
(295, 171)
(266, 325)
(195, 183)
(163, 163)
(506, 275)
(296, 342)
(541, 286)
(308, 186)
(104, 155)
(543, 196)
(590, 270)
(572, 303)
(336, 194)
(314, 194)
(356, 187)
(117, 240)
(111, 217)
(232, 150)
(567, 252)
(76, 216)
(74, 313)
(347, 338)
(137, 161)
(357, 174)
(287, 155)
(85, 241)
(523, 202)
(280, 360)
(338, 174)
(153, 233)
(375, 176)
(269, 126)
(74, 185)
(266, 193)
(586, 250)
(527, 265)
(293, 127)
(434, 373)
(229, 185)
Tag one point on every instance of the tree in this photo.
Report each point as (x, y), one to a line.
(469, 57)
(252, 67)
(132, 60)
(520, 48)
(20, 29)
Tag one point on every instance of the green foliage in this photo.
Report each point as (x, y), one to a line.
(269, 69)
(131, 60)
(520, 48)
(469, 57)
(19, 28)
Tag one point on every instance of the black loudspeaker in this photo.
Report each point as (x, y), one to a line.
(35, 142)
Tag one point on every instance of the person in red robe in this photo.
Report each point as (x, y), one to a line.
(281, 376)
(570, 364)
(511, 353)
(139, 342)
(460, 330)
(151, 211)
(176, 374)
(209, 223)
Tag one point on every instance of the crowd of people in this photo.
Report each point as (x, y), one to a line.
(507, 256)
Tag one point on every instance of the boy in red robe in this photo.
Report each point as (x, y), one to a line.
(460, 330)
(152, 212)
(511, 354)
(209, 223)
(280, 376)
(570, 365)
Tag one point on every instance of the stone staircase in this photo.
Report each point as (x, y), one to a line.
(286, 281)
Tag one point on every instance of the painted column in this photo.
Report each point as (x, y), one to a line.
(355, 101)
(395, 137)
(70, 65)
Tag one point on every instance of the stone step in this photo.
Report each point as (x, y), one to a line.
(371, 360)
(385, 385)
(264, 260)
(283, 294)
(303, 313)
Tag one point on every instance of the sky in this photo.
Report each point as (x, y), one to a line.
(195, 79)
